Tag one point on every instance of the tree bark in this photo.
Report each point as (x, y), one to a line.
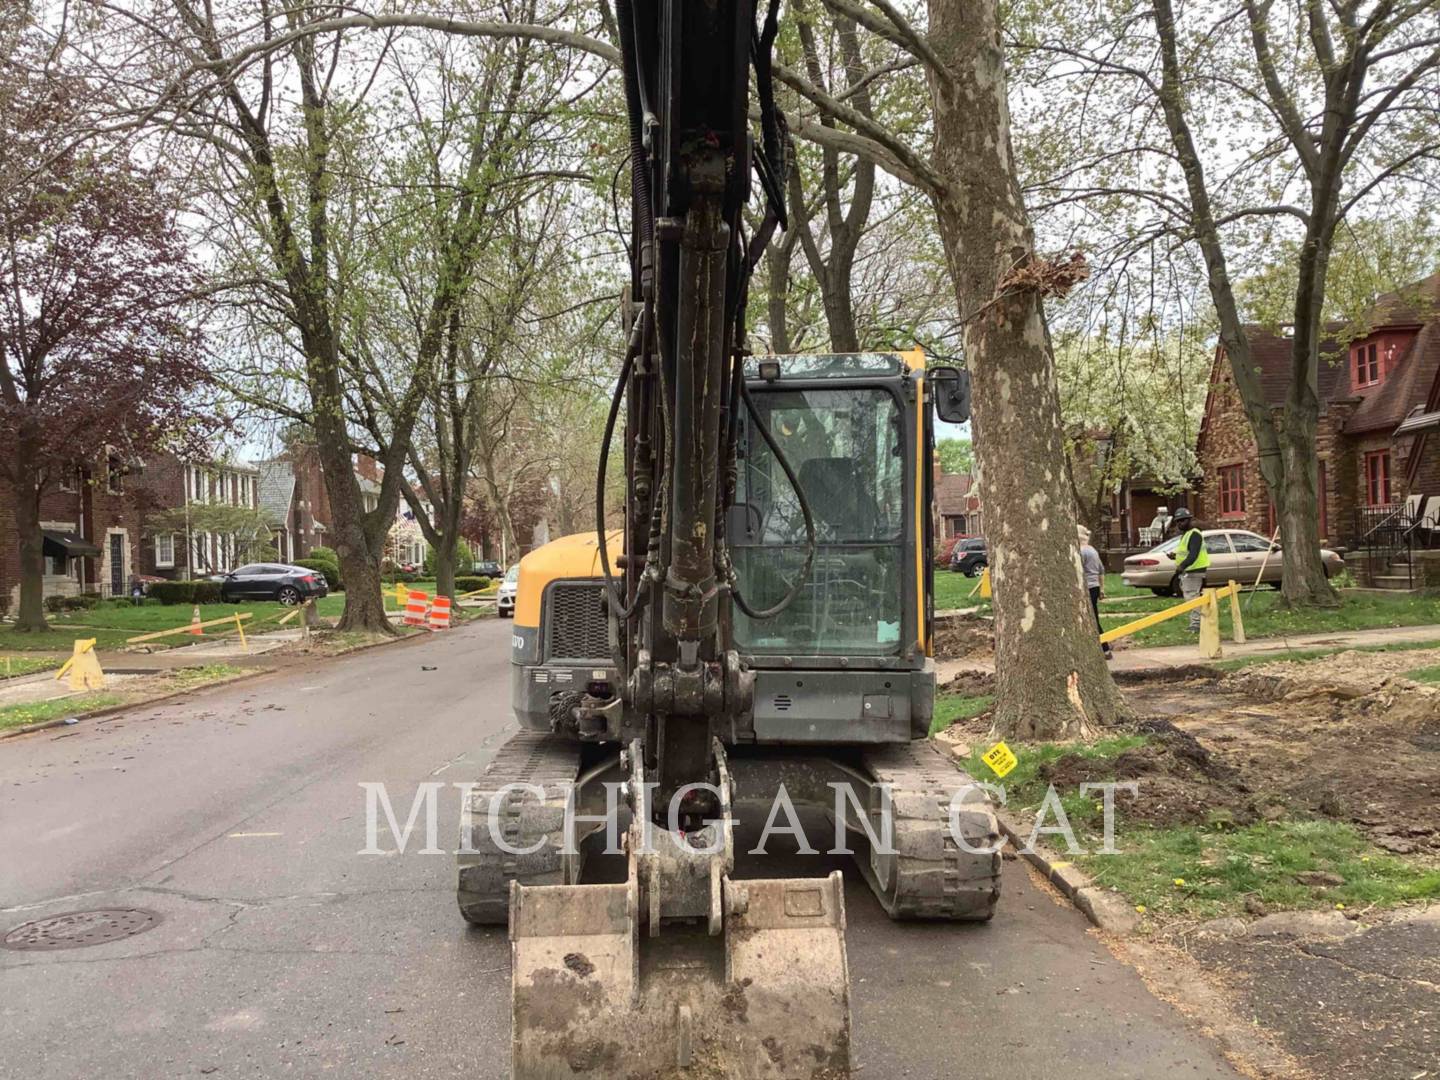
(26, 491)
(1051, 678)
(445, 566)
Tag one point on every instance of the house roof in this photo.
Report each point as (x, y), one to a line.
(1382, 407)
(951, 490)
(1270, 353)
(1392, 401)
(277, 488)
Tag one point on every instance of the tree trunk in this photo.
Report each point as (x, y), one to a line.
(31, 616)
(364, 594)
(445, 566)
(777, 265)
(1304, 583)
(1051, 678)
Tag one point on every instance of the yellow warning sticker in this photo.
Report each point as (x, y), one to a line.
(1000, 759)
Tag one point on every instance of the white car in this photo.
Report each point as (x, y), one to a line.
(505, 598)
(1235, 555)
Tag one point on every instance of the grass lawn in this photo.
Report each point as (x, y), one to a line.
(14, 716)
(951, 708)
(1208, 872)
(1429, 674)
(12, 667)
(952, 590)
(59, 637)
(1204, 871)
(1265, 617)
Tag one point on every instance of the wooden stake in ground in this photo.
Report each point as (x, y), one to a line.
(1265, 562)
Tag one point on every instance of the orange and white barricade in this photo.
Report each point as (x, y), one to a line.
(440, 613)
(417, 608)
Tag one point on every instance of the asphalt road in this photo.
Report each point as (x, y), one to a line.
(238, 816)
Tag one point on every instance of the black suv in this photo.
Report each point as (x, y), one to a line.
(490, 568)
(273, 581)
(969, 557)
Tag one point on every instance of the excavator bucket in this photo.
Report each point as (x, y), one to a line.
(770, 1000)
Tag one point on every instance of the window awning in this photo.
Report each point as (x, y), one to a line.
(1420, 422)
(67, 545)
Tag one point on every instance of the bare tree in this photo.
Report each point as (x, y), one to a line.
(1289, 139)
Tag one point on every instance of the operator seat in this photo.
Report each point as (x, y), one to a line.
(837, 498)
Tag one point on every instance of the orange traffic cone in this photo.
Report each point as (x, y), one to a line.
(195, 622)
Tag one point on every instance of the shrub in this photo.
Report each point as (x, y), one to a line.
(327, 553)
(408, 577)
(206, 592)
(943, 550)
(326, 567)
(174, 592)
(468, 583)
(54, 604)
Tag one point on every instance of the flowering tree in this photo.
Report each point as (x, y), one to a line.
(96, 361)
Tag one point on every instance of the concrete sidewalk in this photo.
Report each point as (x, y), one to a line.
(1165, 657)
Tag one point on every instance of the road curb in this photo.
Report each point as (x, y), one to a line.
(1109, 911)
(110, 710)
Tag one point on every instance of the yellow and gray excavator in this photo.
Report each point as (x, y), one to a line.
(755, 633)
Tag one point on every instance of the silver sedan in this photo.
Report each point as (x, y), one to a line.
(1235, 555)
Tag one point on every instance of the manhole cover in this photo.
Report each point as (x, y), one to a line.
(76, 929)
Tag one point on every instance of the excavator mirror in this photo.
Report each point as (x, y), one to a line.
(951, 392)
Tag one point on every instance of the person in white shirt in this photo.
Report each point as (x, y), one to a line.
(1094, 570)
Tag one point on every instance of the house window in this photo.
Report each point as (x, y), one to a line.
(1366, 359)
(69, 478)
(1232, 490)
(1377, 477)
(165, 551)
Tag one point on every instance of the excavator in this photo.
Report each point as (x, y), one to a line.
(754, 633)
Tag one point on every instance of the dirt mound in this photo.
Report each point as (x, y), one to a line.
(963, 637)
(1351, 686)
(1178, 781)
(971, 684)
(1344, 737)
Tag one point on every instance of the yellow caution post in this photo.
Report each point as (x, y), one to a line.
(1207, 603)
(240, 629)
(985, 584)
(83, 667)
(1210, 626)
(1237, 624)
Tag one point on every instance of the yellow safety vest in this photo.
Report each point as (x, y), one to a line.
(1202, 561)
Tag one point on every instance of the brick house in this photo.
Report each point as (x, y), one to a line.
(97, 535)
(957, 505)
(1378, 436)
(92, 524)
(294, 497)
(192, 551)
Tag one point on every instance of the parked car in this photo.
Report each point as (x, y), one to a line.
(505, 598)
(489, 568)
(970, 556)
(1235, 555)
(273, 581)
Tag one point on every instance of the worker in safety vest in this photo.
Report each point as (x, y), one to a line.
(1192, 559)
